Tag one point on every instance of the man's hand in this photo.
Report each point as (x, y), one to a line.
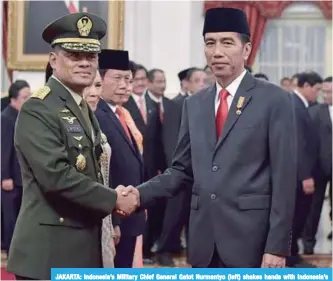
(127, 201)
(117, 234)
(8, 184)
(308, 186)
(273, 261)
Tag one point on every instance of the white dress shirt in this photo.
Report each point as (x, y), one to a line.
(330, 109)
(231, 88)
(157, 100)
(306, 103)
(137, 99)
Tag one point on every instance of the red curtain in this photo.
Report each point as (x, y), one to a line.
(5, 36)
(258, 12)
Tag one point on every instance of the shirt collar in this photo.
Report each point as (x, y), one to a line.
(231, 88)
(137, 97)
(75, 96)
(297, 93)
(154, 98)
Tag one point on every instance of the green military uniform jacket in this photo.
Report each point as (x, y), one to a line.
(64, 200)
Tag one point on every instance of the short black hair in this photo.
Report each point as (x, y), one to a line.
(191, 71)
(16, 87)
(139, 67)
(48, 72)
(132, 66)
(295, 76)
(151, 74)
(261, 76)
(328, 79)
(312, 78)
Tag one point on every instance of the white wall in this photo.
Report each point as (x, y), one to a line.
(167, 35)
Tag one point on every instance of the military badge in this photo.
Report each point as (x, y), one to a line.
(81, 162)
(65, 110)
(69, 119)
(78, 138)
(240, 104)
(84, 26)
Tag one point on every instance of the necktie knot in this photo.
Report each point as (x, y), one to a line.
(224, 94)
(119, 111)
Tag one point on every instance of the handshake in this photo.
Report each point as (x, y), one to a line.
(128, 200)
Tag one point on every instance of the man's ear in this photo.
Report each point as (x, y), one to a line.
(53, 59)
(247, 50)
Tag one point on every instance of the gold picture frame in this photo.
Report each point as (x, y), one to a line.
(18, 60)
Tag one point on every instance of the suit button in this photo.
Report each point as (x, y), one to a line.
(61, 220)
(213, 196)
(215, 168)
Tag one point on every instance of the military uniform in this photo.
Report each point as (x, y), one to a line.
(64, 200)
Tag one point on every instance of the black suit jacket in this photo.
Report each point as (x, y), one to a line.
(152, 136)
(126, 166)
(323, 124)
(243, 192)
(307, 141)
(10, 168)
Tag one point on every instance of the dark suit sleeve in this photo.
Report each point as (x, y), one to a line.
(180, 175)
(282, 151)
(7, 146)
(304, 157)
(39, 139)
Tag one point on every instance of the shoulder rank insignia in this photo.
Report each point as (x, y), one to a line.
(41, 93)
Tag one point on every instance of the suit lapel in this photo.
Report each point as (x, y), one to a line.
(243, 91)
(105, 107)
(208, 107)
(70, 103)
(327, 117)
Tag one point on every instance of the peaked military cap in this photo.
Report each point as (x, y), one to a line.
(226, 20)
(78, 32)
(113, 59)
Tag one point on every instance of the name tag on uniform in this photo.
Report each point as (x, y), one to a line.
(74, 128)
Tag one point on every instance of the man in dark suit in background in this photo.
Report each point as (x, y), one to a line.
(308, 85)
(170, 119)
(11, 180)
(321, 115)
(183, 84)
(126, 166)
(145, 113)
(237, 148)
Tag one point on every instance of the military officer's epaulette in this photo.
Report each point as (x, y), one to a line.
(41, 93)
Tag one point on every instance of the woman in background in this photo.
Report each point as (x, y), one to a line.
(92, 95)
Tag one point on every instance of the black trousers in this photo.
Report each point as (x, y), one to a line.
(11, 204)
(302, 209)
(311, 226)
(154, 225)
(125, 252)
(177, 214)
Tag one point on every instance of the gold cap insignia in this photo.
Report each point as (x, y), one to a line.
(81, 162)
(84, 26)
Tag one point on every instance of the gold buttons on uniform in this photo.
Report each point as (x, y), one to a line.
(61, 220)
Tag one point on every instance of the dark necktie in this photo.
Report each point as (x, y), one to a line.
(85, 113)
(222, 112)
